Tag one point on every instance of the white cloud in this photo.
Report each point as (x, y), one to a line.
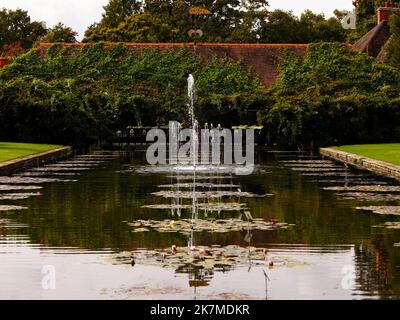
(79, 14)
(298, 6)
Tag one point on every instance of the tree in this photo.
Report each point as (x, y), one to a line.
(366, 16)
(284, 27)
(393, 47)
(60, 33)
(229, 21)
(117, 10)
(16, 28)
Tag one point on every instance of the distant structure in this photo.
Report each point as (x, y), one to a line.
(374, 42)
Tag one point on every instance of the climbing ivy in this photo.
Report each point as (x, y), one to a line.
(82, 94)
(334, 96)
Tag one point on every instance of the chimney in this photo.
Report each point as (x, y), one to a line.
(385, 12)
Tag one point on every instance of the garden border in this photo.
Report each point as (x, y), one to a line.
(364, 163)
(35, 160)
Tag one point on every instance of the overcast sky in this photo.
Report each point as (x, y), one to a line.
(79, 14)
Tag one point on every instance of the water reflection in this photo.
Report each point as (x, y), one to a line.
(92, 214)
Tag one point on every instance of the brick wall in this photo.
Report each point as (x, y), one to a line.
(384, 13)
(262, 59)
(3, 61)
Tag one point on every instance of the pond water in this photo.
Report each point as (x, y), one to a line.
(75, 237)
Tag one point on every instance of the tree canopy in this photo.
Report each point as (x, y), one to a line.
(16, 27)
(228, 21)
(393, 46)
(60, 33)
(334, 96)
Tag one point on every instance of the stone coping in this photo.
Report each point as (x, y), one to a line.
(364, 163)
(34, 160)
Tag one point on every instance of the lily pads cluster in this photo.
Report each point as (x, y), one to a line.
(385, 210)
(369, 196)
(199, 185)
(186, 226)
(200, 177)
(363, 188)
(200, 194)
(11, 208)
(215, 258)
(18, 196)
(389, 225)
(14, 188)
(46, 174)
(6, 187)
(218, 206)
(27, 180)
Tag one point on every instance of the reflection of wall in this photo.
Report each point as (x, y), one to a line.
(261, 58)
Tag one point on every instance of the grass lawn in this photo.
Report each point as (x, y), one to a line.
(12, 150)
(383, 152)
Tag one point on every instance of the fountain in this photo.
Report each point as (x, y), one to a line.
(191, 91)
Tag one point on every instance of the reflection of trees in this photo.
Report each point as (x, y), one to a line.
(377, 271)
(89, 214)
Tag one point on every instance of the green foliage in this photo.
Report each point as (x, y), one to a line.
(230, 21)
(284, 27)
(393, 47)
(60, 33)
(334, 96)
(117, 10)
(366, 16)
(78, 96)
(16, 27)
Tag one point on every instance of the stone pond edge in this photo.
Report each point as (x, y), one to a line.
(364, 163)
(35, 160)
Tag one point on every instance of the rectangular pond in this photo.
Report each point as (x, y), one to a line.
(107, 226)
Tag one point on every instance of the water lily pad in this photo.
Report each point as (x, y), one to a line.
(18, 196)
(198, 185)
(308, 162)
(206, 258)
(300, 167)
(46, 174)
(388, 225)
(333, 174)
(363, 188)
(385, 210)
(315, 169)
(27, 180)
(350, 182)
(219, 226)
(141, 230)
(219, 206)
(12, 208)
(369, 196)
(201, 177)
(210, 194)
(58, 169)
(6, 187)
